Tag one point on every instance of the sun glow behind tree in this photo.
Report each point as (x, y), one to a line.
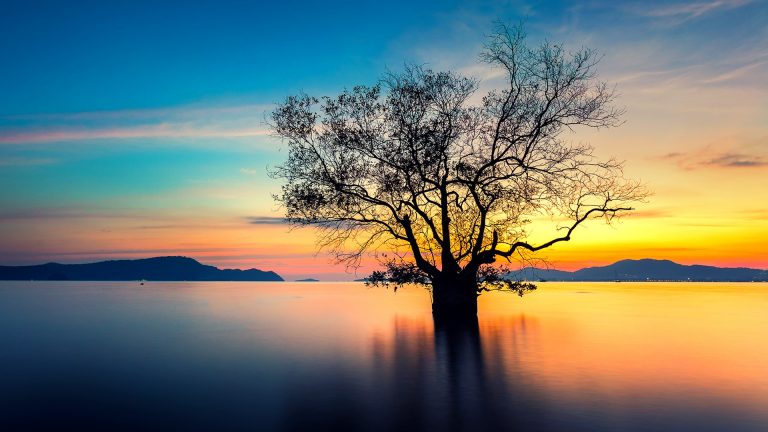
(410, 165)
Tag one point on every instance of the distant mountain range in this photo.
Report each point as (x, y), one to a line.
(643, 270)
(174, 268)
(187, 269)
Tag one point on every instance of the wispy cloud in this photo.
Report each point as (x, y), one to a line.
(158, 131)
(177, 112)
(689, 10)
(695, 77)
(737, 160)
(733, 74)
(248, 171)
(709, 157)
(175, 122)
(266, 220)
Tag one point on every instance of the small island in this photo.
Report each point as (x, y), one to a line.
(643, 270)
(171, 268)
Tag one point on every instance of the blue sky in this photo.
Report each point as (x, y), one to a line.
(84, 56)
(117, 115)
(93, 56)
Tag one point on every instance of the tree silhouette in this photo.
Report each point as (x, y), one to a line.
(445, 181)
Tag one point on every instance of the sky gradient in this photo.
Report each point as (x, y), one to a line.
(131, 129)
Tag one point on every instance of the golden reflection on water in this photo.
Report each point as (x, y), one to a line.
(627, 340)
(610, 340)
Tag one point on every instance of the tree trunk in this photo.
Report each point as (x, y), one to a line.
(454, 297)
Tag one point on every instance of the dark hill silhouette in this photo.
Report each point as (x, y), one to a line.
(645, 269)
(175, 268)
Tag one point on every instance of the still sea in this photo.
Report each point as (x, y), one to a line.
(308, 356)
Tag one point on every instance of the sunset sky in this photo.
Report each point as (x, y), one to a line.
(136, 129)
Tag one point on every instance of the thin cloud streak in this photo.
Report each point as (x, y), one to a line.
(737, 160)
(266, 220)
(733, 74)
(691, 9)
(710, 158)
(178, 112)
(695, 77)
(158, 131)
(233, 121)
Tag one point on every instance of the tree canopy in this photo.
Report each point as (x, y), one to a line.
(444, 181)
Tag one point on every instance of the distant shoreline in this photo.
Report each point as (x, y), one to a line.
(183, 269)
(175, 268)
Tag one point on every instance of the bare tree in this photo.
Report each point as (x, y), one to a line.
(413, 167)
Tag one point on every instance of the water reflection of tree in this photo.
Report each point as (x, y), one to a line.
(427, 375)
(508, 342)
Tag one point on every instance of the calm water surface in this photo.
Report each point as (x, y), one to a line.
(323, 356)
